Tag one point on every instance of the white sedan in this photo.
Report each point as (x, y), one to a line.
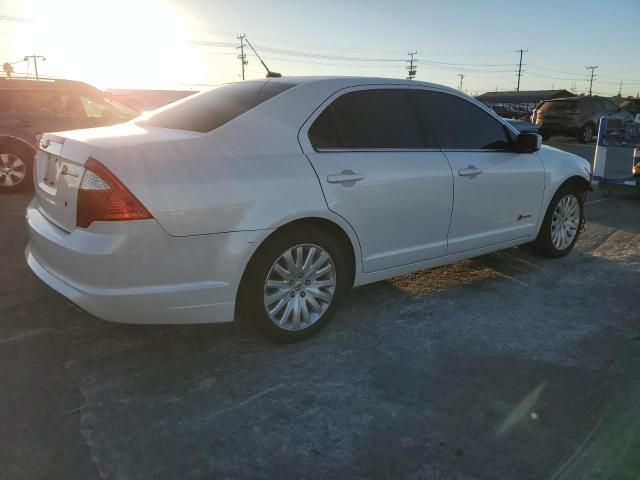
(270, 198)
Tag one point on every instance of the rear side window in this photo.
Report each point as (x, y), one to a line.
(11, 102)
(368, 119)
(459, 124)
(560, 106)
(209, 110)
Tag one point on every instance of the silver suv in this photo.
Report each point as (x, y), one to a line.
(578, 117)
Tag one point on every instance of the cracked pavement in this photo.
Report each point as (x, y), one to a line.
(504, 366)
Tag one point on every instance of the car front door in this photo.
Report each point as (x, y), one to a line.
(51, 110)
(379, 172)
(497, 192)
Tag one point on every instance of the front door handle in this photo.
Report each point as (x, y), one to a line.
(346, 177)
(23, 123)
(471, 171)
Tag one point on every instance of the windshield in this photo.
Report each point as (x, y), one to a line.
(208, 110)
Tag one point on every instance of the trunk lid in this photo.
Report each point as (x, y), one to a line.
(58, 171)
(60, 159)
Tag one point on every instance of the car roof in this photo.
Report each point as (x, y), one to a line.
(577, 99)
(43, 84)
(346, 81)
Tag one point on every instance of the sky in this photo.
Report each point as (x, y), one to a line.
(190, 44)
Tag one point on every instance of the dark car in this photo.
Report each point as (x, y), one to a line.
(30, 107)
(578, 117)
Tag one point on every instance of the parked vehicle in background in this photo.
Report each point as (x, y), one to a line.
(29, 107)
(631, 105)
(522, 126)
(272, 197)
(578, 117)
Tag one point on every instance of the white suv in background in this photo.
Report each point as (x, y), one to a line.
(271, 198)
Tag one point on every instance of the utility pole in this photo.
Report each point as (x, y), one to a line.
(35, 62)
(411, 67)
(242, 57)
(592, 68)
(461, 75)
(520, 67)
(620, 90)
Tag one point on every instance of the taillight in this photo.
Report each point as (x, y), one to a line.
(102, 197)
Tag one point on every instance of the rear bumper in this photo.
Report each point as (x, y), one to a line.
(134, 272)
(558, 129)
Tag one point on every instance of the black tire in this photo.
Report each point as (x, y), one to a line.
(15, 161)
(586, 133)
(543, 244)
(546, 136)
(252, 290)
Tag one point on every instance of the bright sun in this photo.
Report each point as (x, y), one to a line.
(120, 43)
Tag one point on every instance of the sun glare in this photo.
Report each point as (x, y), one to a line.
(139, 44)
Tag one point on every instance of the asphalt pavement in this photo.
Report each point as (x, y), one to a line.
(507, 366)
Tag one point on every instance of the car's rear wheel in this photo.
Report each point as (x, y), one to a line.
(15, 171)
(586, 133)
(293, 284)
(562, 223)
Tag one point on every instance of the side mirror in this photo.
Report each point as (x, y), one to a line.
(528, 142)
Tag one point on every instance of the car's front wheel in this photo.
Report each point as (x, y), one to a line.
(562, 223)
(293, 284)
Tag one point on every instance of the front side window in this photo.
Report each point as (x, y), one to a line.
(459, 124)
(51, 103)
(368, 119)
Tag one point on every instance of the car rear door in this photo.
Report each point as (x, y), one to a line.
(13, 119)
(381, 175)
(497, 192)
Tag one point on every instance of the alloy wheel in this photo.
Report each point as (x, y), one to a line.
(12, 170)
(300, 287)
(588, 134)
(565, 222)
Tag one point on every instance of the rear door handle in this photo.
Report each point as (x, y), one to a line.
(470, 171)
(23, 123)
(346, 177)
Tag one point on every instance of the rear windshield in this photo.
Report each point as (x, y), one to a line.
(208, 110)
(560, 106)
